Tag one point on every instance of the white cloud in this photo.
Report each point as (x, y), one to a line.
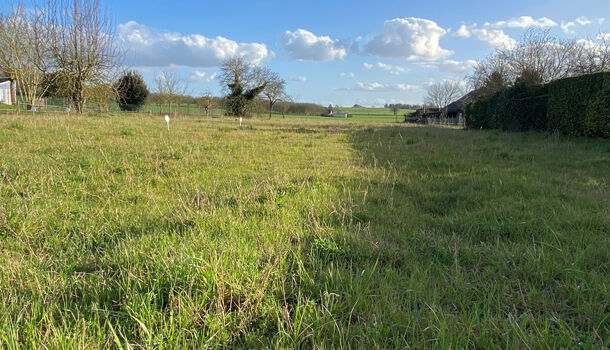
(347, 75)
(382, 87)
(408, 38)
(451, 66)
(304, 45)
(149, 47)
(463, 32)
(568, 27)
(386, 67)
(377, 102)
(523, 22)
(496, 38)
(201, 77)
(603, 36)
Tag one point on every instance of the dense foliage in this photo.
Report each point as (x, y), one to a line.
(580, 105)
(131, 91)
(571, 106)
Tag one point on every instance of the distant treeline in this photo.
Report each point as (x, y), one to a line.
(259, 106)
(401, 106)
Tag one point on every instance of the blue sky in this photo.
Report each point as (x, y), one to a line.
(340, 52)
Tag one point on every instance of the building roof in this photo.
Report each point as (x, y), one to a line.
(460, 104)
(2, 80)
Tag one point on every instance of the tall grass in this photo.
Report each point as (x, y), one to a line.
(299, 233)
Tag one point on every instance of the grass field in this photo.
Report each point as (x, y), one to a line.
(361, 114)
(115, 233)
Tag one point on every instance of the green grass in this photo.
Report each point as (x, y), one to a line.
(115, 233)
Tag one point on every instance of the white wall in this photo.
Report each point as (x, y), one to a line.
(5, 93)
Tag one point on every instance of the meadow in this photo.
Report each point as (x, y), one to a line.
(299, 233)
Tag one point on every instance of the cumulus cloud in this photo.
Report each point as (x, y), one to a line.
(202, 77)
(489, 33)
(408, 38)
(347, 75)
(496, 38)
(523, 22)
(569, 27)
(149, 47)
(386, 67)
(463, 32)
(304, 45)
(372, 87)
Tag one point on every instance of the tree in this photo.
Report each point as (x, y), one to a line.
(131, 91)
(440, 95)
(170, 88)
(24, 50)
(275, 86)
(83, 44)
(239, 83)
(207, 102)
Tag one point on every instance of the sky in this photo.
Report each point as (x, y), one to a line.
(337, 51)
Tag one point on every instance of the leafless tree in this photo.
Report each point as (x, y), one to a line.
(539, 51)
(235, 70)
(590, 56)
(285, 104)
(275, 86)
(25, 50)
(170, 87)
(207, 102)
(440, 95)
(83, 45)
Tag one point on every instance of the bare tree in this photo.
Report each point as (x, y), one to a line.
(275, 86)
(539, 51)
(285, 104)
(83, 45)
(207, 102)
(590, 56)
(24, 50)
(169, 86)
(440, 95)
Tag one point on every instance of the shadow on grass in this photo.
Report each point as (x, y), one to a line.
(463, 239)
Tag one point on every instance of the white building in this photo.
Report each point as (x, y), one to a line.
(6, 96)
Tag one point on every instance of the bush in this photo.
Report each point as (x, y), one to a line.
(571, 106)
(132, 91)
(580, 105)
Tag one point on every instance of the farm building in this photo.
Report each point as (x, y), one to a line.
(7, 91)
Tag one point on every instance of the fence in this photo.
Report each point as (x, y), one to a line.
(457, 121)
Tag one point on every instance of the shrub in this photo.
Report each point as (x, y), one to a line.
(580, 105)
(571, 106)
(132, 91)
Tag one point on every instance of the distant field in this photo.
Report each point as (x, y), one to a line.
(378, 115)
(299, 233)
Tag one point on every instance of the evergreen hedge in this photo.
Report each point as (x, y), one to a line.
(580, 105)
(571, 106)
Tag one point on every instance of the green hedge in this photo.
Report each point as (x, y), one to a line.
(580, 105)
(519, 108)
(572, 106)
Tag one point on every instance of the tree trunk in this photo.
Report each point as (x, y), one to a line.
(270, 108)
(78, 97)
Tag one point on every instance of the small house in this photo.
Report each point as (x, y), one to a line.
(7, 91)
